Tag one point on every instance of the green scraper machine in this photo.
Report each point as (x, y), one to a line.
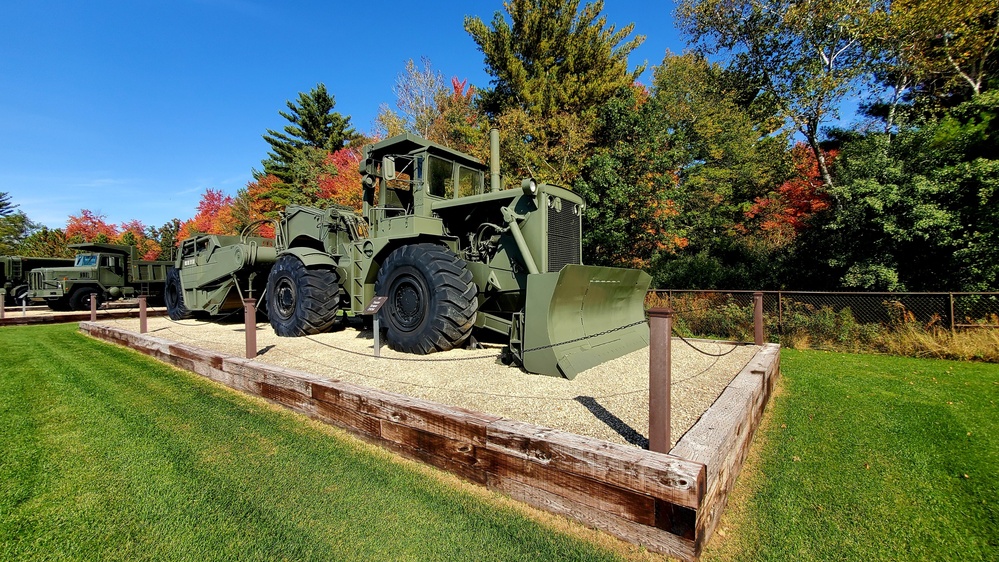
(452, 251)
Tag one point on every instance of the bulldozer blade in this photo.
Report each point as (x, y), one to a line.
(579, 318)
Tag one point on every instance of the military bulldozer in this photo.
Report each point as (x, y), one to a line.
(452, 253)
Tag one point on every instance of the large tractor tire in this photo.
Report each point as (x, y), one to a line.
(301, 301)
(173, 295)
(431, 299)
(80, 298)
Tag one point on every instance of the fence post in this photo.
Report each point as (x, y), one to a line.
(250, 320)
(660, 336)
(780, 313)
(3, 305)
(142, 314)
(93, 307)
(758, 318)
(951, 295)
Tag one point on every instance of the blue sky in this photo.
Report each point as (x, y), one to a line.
(132, 108)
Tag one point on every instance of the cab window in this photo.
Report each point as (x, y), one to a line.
(441, 179)
(469, 182)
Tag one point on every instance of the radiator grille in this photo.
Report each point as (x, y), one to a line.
(563, 234)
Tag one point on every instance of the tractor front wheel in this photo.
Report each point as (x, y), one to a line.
(301, 301)
(431, 299)
(173, 294)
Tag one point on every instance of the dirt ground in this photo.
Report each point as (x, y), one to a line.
(608, 402)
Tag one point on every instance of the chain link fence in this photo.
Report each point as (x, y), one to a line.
(843, 320)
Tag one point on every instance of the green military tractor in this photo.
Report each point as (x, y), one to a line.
(452, 253)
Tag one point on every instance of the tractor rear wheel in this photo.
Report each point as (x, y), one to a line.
(173, 294)
(431, 299)
(301, 301)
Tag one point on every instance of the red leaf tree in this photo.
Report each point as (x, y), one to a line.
(215, 216)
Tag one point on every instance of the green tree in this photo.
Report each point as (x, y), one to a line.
(313, 124)
(14, 229)
(552, 65)
(921, 213)
(551, 56)
(46, 243)
(810, 53)
(726, 132)
(633, 200)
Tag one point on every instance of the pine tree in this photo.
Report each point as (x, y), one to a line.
(554, 57)
(6, 207)
(313, 124)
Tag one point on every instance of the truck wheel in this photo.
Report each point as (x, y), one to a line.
(173, 294)
(59, 305)
(431, 299)
(21, 295)
(301, 301)
(80, 299)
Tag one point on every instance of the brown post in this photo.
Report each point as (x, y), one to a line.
(758, 318)
(250, 319)
(93, 307)
(660, 333)
(142, 315)
(3, 305)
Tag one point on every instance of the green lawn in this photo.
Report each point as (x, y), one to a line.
(870, 458)
(108, 455)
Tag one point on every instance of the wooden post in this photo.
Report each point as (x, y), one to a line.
(758, 318)
(250, 320)
(142, 314)
(93, 307)
(660, 335)
(3, 305)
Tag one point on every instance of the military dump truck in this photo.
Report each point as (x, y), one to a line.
(452, 253)
(14, 274)
(112, 271)
(215, 273)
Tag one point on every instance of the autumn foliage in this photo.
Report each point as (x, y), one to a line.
(343, 187)
(782, 214)
(214, 216)
(89, 226)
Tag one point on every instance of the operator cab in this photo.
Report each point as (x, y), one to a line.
(405, 175)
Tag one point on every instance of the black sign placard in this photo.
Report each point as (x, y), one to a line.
(374, 305)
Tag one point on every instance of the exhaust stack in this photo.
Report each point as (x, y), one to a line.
(494, 165)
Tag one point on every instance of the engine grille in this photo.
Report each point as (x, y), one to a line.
(563, 234)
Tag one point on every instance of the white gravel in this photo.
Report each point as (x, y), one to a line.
(608, 402)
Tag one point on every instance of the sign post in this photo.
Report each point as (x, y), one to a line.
(372, 310)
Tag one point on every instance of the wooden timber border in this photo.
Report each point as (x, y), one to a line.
(15, 319)
(667, 503)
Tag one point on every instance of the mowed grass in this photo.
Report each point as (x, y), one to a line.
(108, 455)
(867, 457)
